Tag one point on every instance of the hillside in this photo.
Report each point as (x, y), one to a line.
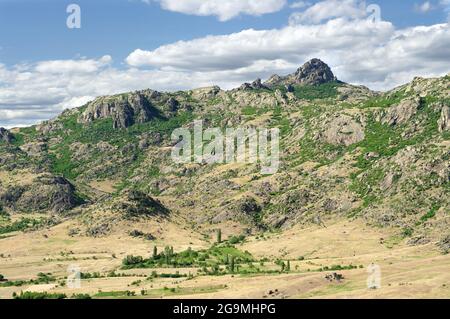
(349, 156)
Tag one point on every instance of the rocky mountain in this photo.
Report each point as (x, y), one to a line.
(313, 72)
(346, 152)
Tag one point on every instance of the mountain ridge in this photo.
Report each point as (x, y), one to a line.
(347, 151)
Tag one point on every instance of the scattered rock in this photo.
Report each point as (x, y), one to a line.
(334, 277)
(444, 244)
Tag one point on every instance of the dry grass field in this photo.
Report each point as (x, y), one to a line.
(406, 271)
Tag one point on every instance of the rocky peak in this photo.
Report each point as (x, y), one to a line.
(313, 72)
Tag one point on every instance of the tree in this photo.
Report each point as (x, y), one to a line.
(232, 264)
(288, 268)
(219, 236)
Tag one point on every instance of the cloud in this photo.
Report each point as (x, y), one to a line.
(328, 9)
(72, 66)
(299, 5)
(242, 49)
(359, 51)
(374, 54)
(223, 9)
(423, 7)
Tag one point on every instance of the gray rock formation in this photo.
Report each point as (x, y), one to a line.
(444, 121)
(5, 135)
(255, 85)
(343, 130)
(313, 72)
(45, 193)
(402, 112)
(125, 110)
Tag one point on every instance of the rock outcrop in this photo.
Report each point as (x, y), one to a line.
(401, 113)
(255, 85)
(45, 193)
(136, 204)
(125, 110)
(343, 130)
(5, 135)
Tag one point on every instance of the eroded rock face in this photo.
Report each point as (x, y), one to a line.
(444, 121)
(5, 135)
(45, 193)
(205, 93)
(125, 110)
(401, 113)
(344, 130)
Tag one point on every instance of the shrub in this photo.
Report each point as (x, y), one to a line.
(132, 260)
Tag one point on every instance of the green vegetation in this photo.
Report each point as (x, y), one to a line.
(339, 267)
(214, 256)
(110, 294)
(42, 278)
(38, 295)
(313, 92)
(233, 240)
(385, 100)
(219, 236)
(281, 121)
(21, 225)
(102, 130)
(430, 214)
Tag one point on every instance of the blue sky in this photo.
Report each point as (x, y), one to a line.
(34, 30)
(124, 45)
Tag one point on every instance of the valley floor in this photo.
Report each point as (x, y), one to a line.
(406, 271)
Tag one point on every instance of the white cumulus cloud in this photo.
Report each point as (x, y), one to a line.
(223, 9)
